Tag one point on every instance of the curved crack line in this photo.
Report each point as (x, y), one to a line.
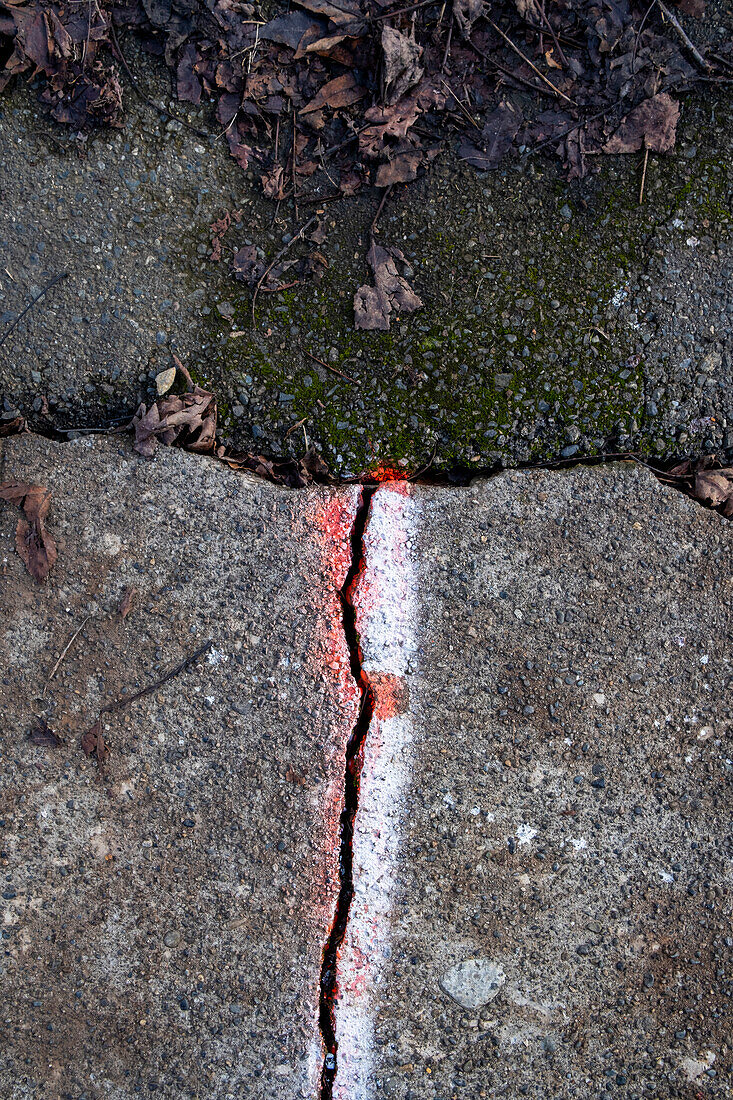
(352, 773)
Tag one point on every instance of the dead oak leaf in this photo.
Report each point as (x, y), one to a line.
(652, 125)
(342, 91)
(187, 419)
(714, 487)
(34, 544)
(401, 64)
(374, 305)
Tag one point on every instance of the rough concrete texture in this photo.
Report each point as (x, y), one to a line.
(542, 853)
(163, 920)
(558, 319)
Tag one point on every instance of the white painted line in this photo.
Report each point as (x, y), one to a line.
(386, 604)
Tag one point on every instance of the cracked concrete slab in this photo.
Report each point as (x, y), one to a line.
(542, 857)
(163, 919)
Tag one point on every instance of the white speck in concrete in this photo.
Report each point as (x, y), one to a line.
(215, 657)
(695, 1067)
(525, 834)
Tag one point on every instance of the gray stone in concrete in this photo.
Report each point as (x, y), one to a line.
(163, 920)
(473, 983)
(546, 785)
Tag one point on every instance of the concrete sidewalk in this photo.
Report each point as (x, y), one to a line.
(542, 855)
(542, 859)
(163, 921)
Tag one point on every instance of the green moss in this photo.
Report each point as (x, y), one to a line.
(518, 324)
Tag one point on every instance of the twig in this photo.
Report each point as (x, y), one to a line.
(447, 47)
(298, 236)
(146, 99)
(293, 168)
(68, 646)
(31, 304)
(295, 427)
(555, 39)
(337, 197)
(342, 144)
(419, 473)
(315, 359)
(532, 66)
(402, 11)
(126, 700)
(643, 176)
(470, 118)
(380, 208)
(279, 289)
(637, 40)
(520, 81)
(681, 32)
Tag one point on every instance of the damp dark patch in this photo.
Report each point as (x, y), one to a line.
(352, 773)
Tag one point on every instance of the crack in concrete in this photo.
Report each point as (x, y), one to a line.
(352, 772)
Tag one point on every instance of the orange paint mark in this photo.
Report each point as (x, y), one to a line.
(382, 473)
(391, 695)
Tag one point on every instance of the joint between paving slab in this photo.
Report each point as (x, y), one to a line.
(352, 771)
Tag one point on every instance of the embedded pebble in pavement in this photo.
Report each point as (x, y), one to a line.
(473, 983)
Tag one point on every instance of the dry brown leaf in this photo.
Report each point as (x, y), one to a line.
(374, 305)
(93, 742)
(127, 601)
(466, 13)
(188, 419)
(34, 544)
(247, 265)
(42, 734)
(651, 125)
(273, 183)
(296, 473)
(401, 169)
(401, 69)
(342, 91)
(713, 487)
(12, 427)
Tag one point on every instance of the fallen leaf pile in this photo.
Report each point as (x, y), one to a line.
(296, 473)
(326, 96)
(34, 544)
(188, 420)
